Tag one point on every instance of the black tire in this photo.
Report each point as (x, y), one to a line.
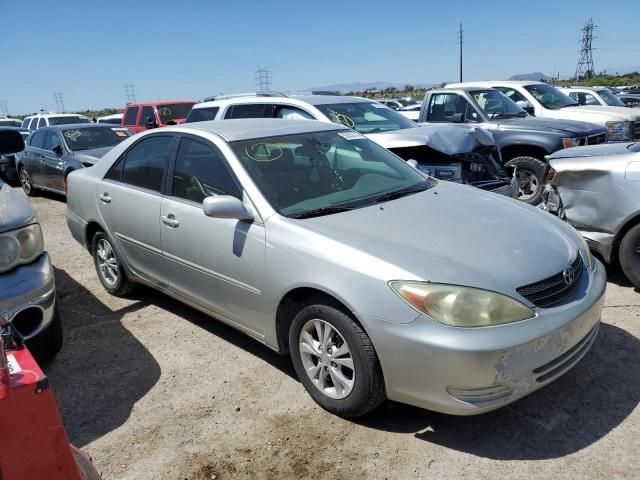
(122, 285)
(26, 182)
(45, 346)
(368, 390)
(530, 173)
(629, 255)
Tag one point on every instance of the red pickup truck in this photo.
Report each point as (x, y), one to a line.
(138, 117)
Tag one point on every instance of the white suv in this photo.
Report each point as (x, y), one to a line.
(33, 122)
(545, 101)
(593, 96)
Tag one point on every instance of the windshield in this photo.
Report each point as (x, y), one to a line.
(95, 137)
(549, 97)
(173, 111)
(496, 104)
(67, 120)
(366, 117)
(320, 173)
(610, 99)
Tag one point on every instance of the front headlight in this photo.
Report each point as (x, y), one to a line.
(20, 247)
(588, 258)
(619, 131)
(461, 306)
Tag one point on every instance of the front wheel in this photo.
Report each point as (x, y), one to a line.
(629, 255)
(335, 360)
(530, 174)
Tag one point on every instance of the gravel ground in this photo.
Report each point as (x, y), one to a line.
(152, 389)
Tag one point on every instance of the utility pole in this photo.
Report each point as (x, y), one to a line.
(130, 92)
(59, 102)
(585, 61)
(263, 79)
(460, 38)
(4, 110)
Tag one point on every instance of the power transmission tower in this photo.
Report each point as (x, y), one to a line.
(263, 79)
(585, 62)
(130, 92)
(460, 38)
(59, 102)
(4, 110)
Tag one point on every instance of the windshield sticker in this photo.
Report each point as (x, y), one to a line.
(14, 366)
(121, 133)
(72, 134)
(119, 129)
(263, 152)
(351, 135)
(164, 111)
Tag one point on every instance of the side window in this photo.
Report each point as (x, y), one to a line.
(202, 114)
(249, 110)
(291, 113)
(148, 115)
(33, 124)
(590, 99)
(25, 122)
(52, 139)
(37, 140)
(443, 106)
(42, 122)
(146, 163)
(512, 94)
(130, 116)
(201, 172)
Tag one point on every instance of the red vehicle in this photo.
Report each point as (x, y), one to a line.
(138, 117)
(33, 442)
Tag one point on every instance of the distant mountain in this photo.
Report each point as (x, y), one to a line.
(360, 86)
(536, 76)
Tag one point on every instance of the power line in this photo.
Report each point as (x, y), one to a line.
(4, 110)
(130, 92)
(460, 39)
(59, 102)
(263, 79)
(585, 61)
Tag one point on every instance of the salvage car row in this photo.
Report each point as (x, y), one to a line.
(337, 241)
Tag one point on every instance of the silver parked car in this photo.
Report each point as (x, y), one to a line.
(597, 189)
(381, 282)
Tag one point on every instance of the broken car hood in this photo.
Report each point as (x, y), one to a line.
(15, 210)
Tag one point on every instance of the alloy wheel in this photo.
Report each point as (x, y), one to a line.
(25, 181)
(107, 262)
(326, 359)
(528, 184)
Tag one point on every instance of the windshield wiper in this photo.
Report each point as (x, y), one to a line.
(317, 212)
(400, 193)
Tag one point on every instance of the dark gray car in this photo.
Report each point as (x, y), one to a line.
(51, 153)
(524, 140)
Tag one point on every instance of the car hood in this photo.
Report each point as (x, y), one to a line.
(598, 113)
(448, 139)
(91, 156)
(571, 127)
(592, 151)
(15, 210)
(459, 235)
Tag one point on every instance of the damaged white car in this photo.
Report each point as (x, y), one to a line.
(597, 190)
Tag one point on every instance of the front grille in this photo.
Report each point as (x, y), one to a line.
(553, 290)
(596, 139)
(636, 131)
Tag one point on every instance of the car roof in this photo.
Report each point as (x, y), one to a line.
(486, 83)
(579, 87)
(310, 99)
(75, 126)
(51, 115)
(249, 128)
(155, 104)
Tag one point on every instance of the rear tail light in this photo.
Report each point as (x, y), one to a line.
(551, 175)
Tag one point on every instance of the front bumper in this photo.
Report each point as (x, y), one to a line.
(467, 371)
(29, 287)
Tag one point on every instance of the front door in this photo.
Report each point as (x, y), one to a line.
(217, 263)
(129, 200)
(53, 164)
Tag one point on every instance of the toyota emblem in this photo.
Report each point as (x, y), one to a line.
(569, 275)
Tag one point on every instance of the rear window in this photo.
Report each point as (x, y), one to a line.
(250, 110)
(202, 114)
(67, 120)
(173, 111)
(10, 123)
(130, 116)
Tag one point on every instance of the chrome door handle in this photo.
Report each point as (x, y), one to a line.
(105, 197)
(170, 220)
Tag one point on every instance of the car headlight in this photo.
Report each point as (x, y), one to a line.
(461, 306)
(20, 247)
(619, 131)
(588, 258)
(573, 142)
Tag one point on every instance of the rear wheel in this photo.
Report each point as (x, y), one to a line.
(26, 182)
(335, 360)
(629, 255)
(47, 343)
(108, 266)
(530, 174)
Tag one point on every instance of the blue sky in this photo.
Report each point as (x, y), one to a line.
(88, 50)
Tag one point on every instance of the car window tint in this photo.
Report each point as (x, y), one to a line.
(130, 116)
(202, 114)
(250, 110)
(146, 163)
(291, 113)
(512, 94)
(51, 140)
(148, 115)
(201, 172)
(34, 123)
(444, 105)
(37, 140)
(42, 123)
(25, 122)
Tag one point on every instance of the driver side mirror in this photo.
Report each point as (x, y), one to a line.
(57, 149)
(457, 118)
(526, 106)
(226, 206)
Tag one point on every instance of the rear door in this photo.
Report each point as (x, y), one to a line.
(130, 118)
(129, 200)
(53, 164)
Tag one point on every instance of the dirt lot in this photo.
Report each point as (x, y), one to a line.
(152, 389)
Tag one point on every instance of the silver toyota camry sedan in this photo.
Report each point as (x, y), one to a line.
(379, 281)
